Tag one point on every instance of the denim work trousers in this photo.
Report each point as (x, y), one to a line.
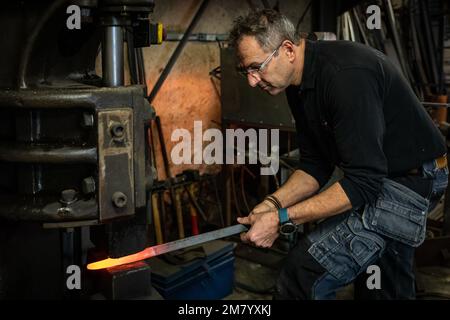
(341, 248)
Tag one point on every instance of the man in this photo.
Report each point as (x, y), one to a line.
(354, 110)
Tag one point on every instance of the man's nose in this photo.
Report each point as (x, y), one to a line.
(252, 80)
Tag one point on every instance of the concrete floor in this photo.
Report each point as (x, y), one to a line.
(253, 281)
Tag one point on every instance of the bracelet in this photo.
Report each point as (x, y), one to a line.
(272, 199)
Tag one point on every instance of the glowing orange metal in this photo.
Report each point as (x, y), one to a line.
(111, 262)
(168, 247)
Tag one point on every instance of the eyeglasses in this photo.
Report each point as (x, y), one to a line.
(257, 69)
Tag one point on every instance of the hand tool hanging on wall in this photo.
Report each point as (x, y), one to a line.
(179, 213)
(156, 219)
(164, 222)
(176, 205)
(190, 192)
(192, 176)
(192, 211)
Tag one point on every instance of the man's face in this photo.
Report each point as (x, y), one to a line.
(276, 75)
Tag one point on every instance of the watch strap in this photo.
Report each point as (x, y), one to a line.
(283, 215)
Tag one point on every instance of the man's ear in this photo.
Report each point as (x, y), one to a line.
(289, 49)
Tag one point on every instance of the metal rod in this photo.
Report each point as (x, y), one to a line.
(397, 41)
(131, 57)
(436, 104)
(142, 78)
(168, 247)
(302, 17)
(112, 56)
(430, 47)
(360, 27)
(177, 51)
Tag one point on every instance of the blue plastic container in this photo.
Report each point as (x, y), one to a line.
(208, 278)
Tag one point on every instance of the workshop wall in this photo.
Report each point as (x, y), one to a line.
(188, 93)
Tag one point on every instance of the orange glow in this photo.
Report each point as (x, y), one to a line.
(110, 262)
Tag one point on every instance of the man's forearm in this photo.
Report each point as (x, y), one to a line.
(298, 187)
(325, 204)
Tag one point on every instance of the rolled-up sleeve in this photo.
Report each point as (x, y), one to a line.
(355, 97)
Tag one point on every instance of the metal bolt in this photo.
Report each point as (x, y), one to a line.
(119, 199)
(88, 185)
(68, 196)
(64, 211)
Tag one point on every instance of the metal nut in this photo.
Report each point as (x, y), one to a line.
(119, 199)
(117, 130)
(88, 185)
(68, 196)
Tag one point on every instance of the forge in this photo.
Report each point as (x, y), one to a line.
(74, 169)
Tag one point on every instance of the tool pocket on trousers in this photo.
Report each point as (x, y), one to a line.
(399, 214)
(343, 253)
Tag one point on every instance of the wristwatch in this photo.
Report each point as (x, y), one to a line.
(287, 227)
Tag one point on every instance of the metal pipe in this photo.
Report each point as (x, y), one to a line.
(91, 98)
(26, 153)
(112, 56)
(177, 52)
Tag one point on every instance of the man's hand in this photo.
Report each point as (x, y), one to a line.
(264, 228)
(255, 214)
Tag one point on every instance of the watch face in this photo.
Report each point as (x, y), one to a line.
(288, 228)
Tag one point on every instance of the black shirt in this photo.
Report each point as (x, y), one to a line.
(354, 109)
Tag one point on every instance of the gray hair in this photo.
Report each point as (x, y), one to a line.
(269, 27)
